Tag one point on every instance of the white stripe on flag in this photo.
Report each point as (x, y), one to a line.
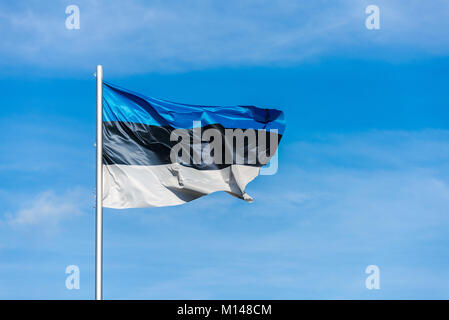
(134, 186)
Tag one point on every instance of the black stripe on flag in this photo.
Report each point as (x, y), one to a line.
(140, 144)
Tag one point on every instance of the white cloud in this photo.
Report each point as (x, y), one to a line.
(183, 35)
(47, 210)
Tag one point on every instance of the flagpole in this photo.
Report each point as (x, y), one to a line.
(99, 194)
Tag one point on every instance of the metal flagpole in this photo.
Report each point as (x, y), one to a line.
(99, 194)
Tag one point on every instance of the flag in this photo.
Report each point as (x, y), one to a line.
(161, 153)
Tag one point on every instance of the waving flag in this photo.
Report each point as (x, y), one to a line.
(160, 153)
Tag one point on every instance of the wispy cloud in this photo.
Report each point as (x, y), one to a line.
(165, 36)
(47, 210)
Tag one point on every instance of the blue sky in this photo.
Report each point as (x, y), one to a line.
(363, 168)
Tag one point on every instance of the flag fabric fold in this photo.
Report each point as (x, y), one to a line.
(160, 153)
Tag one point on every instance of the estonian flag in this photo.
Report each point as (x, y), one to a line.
(160, 153)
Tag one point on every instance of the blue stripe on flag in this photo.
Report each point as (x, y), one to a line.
(123, 105)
